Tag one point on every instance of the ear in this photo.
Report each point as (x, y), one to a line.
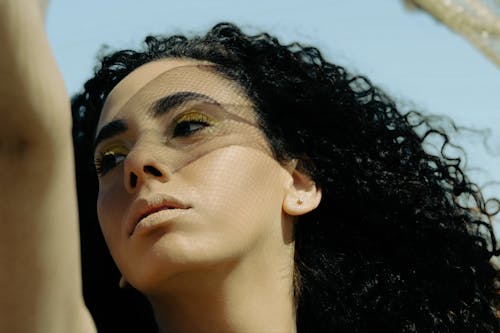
(302, 194)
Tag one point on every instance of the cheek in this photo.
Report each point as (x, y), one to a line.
(240, 184)
(110, 208)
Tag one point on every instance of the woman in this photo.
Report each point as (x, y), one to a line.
(372, 230)
(243, 186)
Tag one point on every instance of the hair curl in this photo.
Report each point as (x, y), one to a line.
(402, 239)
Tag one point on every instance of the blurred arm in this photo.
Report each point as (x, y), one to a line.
(40, 280)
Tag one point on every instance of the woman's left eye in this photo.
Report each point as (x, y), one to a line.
(191, 122)
(187, 128)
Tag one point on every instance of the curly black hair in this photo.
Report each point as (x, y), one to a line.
(402, 239)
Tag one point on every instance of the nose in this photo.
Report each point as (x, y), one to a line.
(141, 166)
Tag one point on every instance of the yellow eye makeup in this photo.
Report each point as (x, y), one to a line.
(109, 158)
(191, 122)
(195, 116)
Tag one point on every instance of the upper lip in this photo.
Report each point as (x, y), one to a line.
(143, 207)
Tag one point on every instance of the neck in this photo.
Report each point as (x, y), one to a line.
(240, 297)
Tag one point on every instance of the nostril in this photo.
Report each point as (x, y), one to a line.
(133, 180)
(147, 172)
(152, 170)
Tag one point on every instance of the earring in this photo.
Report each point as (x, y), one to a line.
(300, 201)
(123, 283)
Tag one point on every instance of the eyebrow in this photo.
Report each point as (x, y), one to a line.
(167, 103)
(160, 107)
(109, 130)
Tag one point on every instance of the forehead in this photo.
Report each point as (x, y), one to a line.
(163, 77)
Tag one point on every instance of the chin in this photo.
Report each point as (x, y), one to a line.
(167, 264)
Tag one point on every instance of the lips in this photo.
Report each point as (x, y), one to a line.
(143, 207)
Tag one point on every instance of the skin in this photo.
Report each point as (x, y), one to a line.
(192, 275)
(226, 263)
(40, 281)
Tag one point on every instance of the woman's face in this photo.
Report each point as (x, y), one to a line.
(187, 179)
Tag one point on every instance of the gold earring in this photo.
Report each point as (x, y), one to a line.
(300, 201)
(123, 283)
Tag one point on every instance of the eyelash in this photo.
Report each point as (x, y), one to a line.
(182, 124)
(101, 163)
(182, 129)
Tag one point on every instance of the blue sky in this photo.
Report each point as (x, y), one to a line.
(414, 58)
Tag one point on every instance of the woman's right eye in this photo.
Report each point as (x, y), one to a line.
(108, 161)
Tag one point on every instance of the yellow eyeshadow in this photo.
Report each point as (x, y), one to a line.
(114, 149)
(195, 116)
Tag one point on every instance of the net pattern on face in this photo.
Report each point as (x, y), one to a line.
(189, 115)
(188, 178)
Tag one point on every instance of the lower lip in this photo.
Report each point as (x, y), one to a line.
(157, 219)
